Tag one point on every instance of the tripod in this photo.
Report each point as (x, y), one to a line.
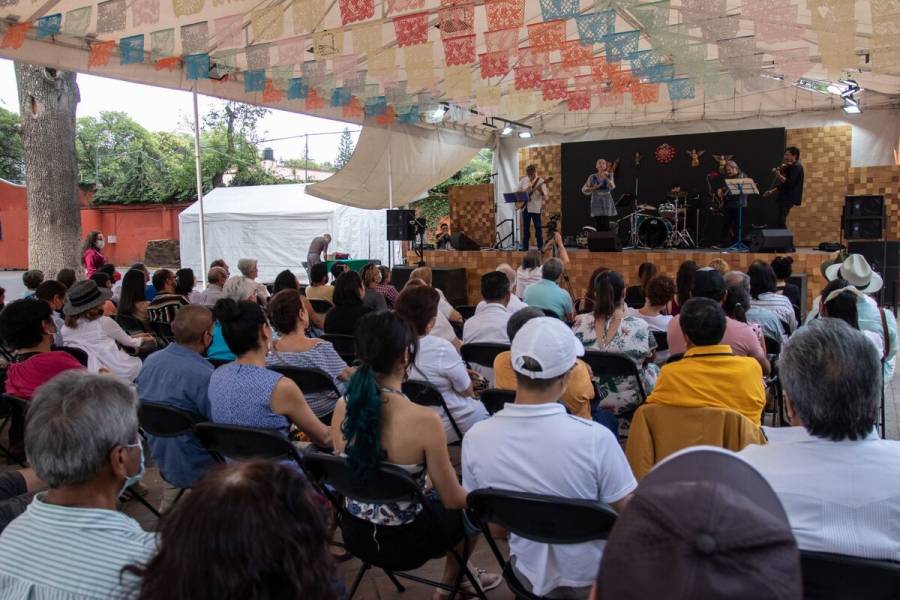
(680, 238)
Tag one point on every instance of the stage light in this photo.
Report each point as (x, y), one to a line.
(506, 131)
(525, 134)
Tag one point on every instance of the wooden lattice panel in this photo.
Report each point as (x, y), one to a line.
(583, 264)
(883, 181)
(548, 162)
(472, 212)
(825, 154)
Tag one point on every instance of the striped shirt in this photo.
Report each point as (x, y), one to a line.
(54, 552)
(779, 305)
(321, 356)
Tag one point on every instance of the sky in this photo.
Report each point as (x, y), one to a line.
(161, 109)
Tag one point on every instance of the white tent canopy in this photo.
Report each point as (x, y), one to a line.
(275, 225)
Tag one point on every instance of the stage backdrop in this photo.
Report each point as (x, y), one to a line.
(757, 151)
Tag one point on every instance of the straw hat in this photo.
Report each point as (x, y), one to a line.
(857, 272)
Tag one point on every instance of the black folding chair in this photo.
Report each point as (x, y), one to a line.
(425, 394)
(132, 325)
(662, 340)
(320, 306)
(550, 313)
(608, 364)
(539, 518)
(494, 400)
(773, 382)
(163, 331)
(466, 310)
(388, 484)
(77, 353)
(310, 381)
(674, 358)
(482, 353)
(344, 345)
(837, 577)
(9, 405)
(243, 443)
(165, 421)
(773, 346)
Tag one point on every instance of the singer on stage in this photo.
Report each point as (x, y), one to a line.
(599, 187)
(789, 189)
(537, 191)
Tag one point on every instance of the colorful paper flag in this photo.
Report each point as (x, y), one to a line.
(411, 29)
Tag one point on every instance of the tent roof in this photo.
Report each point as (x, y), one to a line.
(261, 201)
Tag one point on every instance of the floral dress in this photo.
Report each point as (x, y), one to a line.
(634, 340)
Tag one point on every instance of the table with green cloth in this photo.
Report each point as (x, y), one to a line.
(355, 264)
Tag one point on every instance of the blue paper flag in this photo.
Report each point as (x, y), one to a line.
(131, 50)
(197, 66)
(254, 80)
(297, 89)
(621, 46)
(681, 89)
(593, 27)
(559, 9)
(49, 25)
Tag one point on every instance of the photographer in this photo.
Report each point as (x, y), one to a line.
(554, 247)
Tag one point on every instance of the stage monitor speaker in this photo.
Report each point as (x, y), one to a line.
(863, 228)
(863, 206)
(450, 280)
(884, 258)
(771, 240)
(461, 241)
(400, 225)
(604, 241)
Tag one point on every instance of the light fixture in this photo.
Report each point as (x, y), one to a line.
(851, 106)
(525, 134)
(506, 131)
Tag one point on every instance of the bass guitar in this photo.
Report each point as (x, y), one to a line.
(540, 182)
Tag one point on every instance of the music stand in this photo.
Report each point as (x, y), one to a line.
(741, 187)
(512, 198)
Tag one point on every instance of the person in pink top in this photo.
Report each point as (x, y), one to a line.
(744, 341)
(92, 253)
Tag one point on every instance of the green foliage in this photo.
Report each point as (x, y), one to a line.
(12, 165)
(345, 149)
(433, 209)
(300, 164)
(477, 171)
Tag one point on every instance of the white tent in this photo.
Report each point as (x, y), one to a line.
(275, 224)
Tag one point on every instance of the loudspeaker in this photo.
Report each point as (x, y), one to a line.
(771, 240)
(863, 206)
(461, 241)
(400, 225)
(863, 217)
(884, 258)
(450, 280)
(604, 241)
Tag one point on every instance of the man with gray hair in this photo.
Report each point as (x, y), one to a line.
(546, 293)
(249, 268)
(515, 304)
(216, 277)
(839, 482)
(82, 439)
(765, 318)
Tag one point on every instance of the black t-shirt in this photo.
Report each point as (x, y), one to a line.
(791, 189)
(342, 319)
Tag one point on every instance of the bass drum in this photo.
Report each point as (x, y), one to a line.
(654, 231)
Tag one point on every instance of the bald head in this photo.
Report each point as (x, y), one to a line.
(190, 323)
(217, 275)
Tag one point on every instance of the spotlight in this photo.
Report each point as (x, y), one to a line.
(506, 131)
(525, 134)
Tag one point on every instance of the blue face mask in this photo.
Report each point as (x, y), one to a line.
(133, 479)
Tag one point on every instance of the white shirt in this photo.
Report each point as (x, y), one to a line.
(98, 339)
(657, 323)
(438, 363)
(487, 327)
(444, 307)
(443, 329)
(537, 196)
(840, 497)
(212, 294)
(513, 306)
(524, 278)
(542, 450)
(779, 305)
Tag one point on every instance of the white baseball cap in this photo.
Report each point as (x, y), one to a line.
(550, 343)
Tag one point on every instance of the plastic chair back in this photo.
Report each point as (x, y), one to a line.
(164, 421)
(494, 399)
(482, 353)
(309, 380)
(836, 577)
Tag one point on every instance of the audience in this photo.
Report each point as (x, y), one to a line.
(2, 297)
(529, 272)
(658, 292)
(269, 532)
(515, 304)
(585, 304)
(702, 524)
(684, 283)
(534, 446)
(609, 329)
(92, 253)
(735, 304)
(82, 440)
(444, 307)
(67, 277)
(337, 269)
(178, 376)
(54, 293)
(438, 362)
(184, 285)
(547, 294)
(709, 283)
(719, 265)
(635, 295)
(489, 324)
(294, 348)
(765, 318)
(17, 489)
(286, 280)
(374, 424)
(110, 270)
(834, 475)
(318, 288)
(782, 266)
(28, 329)
(238, 289)
(442, 327)
(166, 302)
(386, 288)
(710, 374)
(216, 278)
(249, 268)
(32, 279)
(762, 292)
(371, 277)
(220, 262)
(244, 392)
(348, 305)
(839, 300)
(105, 283)
(86, 328)
(132, 299)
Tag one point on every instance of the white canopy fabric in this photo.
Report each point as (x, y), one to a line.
(275, 225)
(416, 157)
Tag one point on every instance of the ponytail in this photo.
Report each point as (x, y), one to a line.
(608, 290)
(362, 423)
(737, 302)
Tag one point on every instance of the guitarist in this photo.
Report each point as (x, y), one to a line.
(599, 187)
(531, 212)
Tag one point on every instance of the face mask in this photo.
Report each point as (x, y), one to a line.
(100, 244)
(133, 479)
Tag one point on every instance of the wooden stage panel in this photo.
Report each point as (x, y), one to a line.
(584, 262)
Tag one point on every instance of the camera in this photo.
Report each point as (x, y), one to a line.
(553, 224)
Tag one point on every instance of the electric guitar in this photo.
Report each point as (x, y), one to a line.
(521, 205)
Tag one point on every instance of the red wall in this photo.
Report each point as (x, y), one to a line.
(132, 225)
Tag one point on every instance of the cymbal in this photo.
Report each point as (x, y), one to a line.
(646, 208)
(678, 194)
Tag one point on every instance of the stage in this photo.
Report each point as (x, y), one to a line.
(583, 262)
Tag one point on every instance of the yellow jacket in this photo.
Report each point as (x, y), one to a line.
(578, 393)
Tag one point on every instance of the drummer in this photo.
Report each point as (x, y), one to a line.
(599, 187)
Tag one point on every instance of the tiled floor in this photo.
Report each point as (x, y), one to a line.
(376, 586)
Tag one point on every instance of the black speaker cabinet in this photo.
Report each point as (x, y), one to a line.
(771, 240)
(604, 241)
(863, 206)
(450, 280)
(863, 217)
(400, 226)
(461, 241)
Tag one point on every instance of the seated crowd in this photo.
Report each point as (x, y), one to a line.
(708, 351)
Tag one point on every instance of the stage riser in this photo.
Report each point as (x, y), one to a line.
(583, 264)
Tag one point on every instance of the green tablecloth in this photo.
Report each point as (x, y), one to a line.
(355, 264)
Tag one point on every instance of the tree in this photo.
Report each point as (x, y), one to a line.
(345, 149)
(238, 120)
(47, 102)
(12, 167)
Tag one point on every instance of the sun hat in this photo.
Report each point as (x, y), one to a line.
(83, 296)
(857, 272)
(549, 343)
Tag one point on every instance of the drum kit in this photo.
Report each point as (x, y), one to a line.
(652, 227)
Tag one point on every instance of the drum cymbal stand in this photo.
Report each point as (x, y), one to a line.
(634, 238)
(680, 238)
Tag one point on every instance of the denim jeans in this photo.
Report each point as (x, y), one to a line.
(527, 218)
(606, 418)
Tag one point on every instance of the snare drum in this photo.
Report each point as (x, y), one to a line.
(654, 231)
(667, 210)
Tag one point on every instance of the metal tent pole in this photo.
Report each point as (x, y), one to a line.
(199, 189)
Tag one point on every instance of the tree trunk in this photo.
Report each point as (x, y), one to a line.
(47, 101)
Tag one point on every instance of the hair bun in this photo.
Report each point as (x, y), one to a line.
(226, 310)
